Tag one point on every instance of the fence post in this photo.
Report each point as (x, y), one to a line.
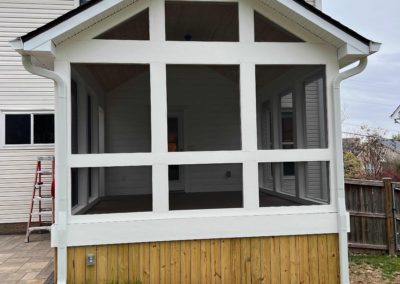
(390, 234)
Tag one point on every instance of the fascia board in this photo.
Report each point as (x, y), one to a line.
(69, 24)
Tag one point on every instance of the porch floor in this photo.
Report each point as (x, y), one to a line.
(182, 201)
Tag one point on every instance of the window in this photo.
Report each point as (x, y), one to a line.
(28, 128)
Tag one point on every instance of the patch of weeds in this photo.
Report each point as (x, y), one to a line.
(389, 265)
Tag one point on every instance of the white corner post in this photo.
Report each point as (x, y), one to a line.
(62, 173)
(341, 204)
(159, 112)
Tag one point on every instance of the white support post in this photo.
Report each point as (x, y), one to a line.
(157, 20)
(61, 162)
(249, 133)
(246, 22)
(159, 134)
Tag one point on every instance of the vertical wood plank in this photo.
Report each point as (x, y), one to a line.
(275, 260)
(205, 265)
(185, 262)
(246, 260)
(80, 265)
(313, 258)
(285, 259)
(304, 276)
(226, 261)
(165, 262)
(155, 263)
(134, 259)
(102, 264)
(195, 262)
(112, 267)
(323, 259)
(55, 263)
(175, 262)
(123, 263)
(71, 265)
(266, 260)
(255, 244)
(144, 264)
(294, 259)
(235, 261)
(91, 270)
(333, 260)
(215, 261)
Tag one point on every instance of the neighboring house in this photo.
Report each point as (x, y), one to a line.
(198, 140)
(26, 109)
(396, 115)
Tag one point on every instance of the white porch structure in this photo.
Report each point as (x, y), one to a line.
(71, 42)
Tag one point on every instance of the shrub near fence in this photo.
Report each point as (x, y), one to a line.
(372, 207)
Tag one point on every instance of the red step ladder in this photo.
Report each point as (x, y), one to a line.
(42, 197)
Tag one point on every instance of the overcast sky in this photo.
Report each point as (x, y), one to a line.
(371, 97)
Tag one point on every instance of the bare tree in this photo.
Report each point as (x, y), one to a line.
(371, 151)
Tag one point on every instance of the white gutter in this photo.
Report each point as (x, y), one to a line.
(61, 196)
(342, 214)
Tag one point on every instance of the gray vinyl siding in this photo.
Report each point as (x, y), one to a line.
(20, 90)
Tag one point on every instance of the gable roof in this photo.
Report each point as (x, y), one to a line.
(91, 3)
(352, 44)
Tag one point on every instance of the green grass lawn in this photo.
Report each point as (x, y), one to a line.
(390, 266)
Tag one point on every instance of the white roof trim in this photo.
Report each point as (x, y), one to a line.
(356, 45)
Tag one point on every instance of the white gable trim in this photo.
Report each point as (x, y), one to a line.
(115, 5)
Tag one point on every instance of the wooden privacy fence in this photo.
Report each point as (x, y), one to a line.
(374, 208)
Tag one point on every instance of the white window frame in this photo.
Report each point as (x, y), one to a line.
(32, 113)
(164, 225)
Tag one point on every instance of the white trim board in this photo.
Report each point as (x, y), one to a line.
(118, 232)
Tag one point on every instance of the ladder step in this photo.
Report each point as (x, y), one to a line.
(44, 198)
(42, 228)
(45, 212)
(45, 173)
(46, 158)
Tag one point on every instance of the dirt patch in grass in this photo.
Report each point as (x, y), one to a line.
(374, 269)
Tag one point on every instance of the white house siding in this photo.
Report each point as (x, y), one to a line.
(20, 90)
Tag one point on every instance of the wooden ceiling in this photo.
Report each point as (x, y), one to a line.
(110, 76)
(135, 28)
(267, 31)
(201, 21)
(266, 74)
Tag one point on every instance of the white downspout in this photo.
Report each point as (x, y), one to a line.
(59, 229)
(342, 214)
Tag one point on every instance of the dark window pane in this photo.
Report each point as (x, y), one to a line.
(74, 117)
(173, 172)
(74, 186)
(173, 134)
(288, 169)
(287, 127)
(18, 128)
(44, 128)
